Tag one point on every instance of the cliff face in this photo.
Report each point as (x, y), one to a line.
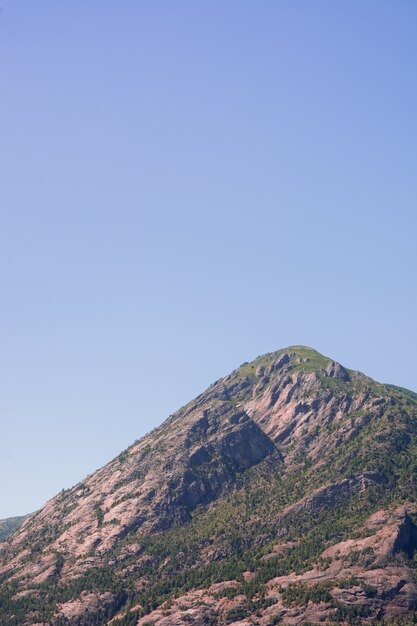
(250, 501)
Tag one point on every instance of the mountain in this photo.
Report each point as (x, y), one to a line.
(285, 493)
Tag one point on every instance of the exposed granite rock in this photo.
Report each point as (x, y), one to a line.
(152, 487)
(332, 495)
(86, 606)
(288, 415)
(335, 370)
(394, 532)
(387, 592)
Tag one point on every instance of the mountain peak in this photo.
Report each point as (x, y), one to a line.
(288, 456)
(295, 358)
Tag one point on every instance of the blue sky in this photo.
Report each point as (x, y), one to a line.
(186, 185)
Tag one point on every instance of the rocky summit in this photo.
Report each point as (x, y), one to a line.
(284, 494)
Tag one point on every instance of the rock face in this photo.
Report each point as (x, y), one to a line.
(285, 492)
(332, 495)
(154, 486)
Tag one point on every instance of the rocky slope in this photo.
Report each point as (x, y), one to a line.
(284, 493)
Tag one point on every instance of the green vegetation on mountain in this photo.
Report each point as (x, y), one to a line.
(288, 528)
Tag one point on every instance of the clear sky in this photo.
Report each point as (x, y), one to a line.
(186, 185)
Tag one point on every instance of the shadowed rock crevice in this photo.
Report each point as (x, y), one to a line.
(406, 540)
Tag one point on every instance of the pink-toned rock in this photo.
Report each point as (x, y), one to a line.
(87, 603)
(274, 412)
(392, 533)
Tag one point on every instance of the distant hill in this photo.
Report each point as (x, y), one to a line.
(9, 525)
(285, 493)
